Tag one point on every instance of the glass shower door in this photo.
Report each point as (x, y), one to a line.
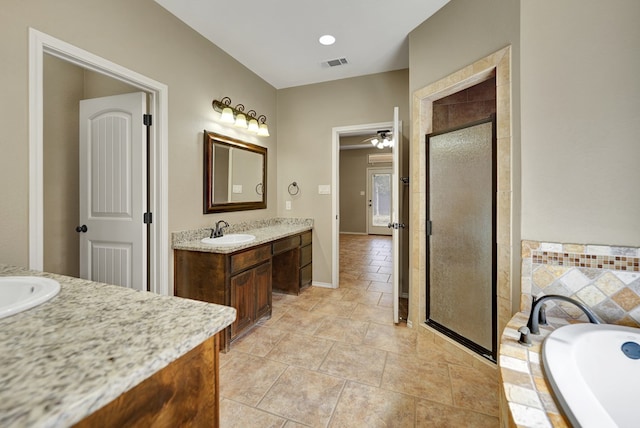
(461, 250)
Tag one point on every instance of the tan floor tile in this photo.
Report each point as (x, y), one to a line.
(386, 269)
(362, 296)
(281, 299)
(374, 314)
(353, 283)
(385, 287)
(237, 415)
(303, 396)
(355, 362)
(276, 314)
(435, 350)
(259, 342)
(338, 308)
(380, 277)
(300, 321)
(386, 301)
(392, 338)
(301, 351)
(324, 293)
(436, 415)
(474, 390)
(414, 376)
(382, 263)
(343, 330)
(247, 378)
(306, 303)
(366, 406)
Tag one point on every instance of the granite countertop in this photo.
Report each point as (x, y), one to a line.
(528, 393)
(66, 358)
(264, 231)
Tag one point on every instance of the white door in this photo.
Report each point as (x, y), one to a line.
(395, 224)
(113, 190)
(379, 200)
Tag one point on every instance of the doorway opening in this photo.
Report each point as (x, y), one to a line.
(41, 44)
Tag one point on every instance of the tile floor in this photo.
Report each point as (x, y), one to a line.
(334, 358)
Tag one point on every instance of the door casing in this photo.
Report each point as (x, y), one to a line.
(41, 44)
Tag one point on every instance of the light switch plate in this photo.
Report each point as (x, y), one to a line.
(287, 205)
(324, 189)
(362, 193)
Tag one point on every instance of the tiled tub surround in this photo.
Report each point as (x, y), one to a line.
(606, 278)
(68, 357)
(263, 230)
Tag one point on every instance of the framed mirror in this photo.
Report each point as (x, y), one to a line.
(235, 174)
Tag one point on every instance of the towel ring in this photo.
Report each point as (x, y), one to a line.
(295, 190)
(259, 188)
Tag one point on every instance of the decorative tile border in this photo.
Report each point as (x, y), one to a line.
(586, 260)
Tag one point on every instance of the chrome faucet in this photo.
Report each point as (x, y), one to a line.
(537, 311)
(219, 230)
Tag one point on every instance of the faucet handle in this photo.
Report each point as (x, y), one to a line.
(524, 336)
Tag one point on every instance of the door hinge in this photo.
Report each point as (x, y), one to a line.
(146, 119)
(147, 218)
(428, 227)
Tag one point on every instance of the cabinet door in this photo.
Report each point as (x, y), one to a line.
(262, 282)
(243, 299)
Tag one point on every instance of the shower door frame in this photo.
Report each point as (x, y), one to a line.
(490, 354)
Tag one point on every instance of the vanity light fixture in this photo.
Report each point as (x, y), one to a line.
(236, 116)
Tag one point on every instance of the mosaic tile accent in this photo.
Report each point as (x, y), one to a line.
(605, 278)
(586, 260)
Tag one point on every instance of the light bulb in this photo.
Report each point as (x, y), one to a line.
(227, 115)
(253, 126)
(264, 130)
(241, 121)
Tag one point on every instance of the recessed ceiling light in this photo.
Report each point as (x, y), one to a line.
(327, 40)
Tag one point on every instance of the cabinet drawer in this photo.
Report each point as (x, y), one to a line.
(305, 238)
(305, 255)
(250, 258)
(305, 275)
(286, 244)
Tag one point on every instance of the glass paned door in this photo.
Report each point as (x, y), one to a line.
(379, 201)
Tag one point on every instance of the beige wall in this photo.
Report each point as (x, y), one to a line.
(307, 115)
(581, 121)
(63, 89)
(147, 39)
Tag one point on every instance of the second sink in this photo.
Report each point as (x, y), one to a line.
(231, 239)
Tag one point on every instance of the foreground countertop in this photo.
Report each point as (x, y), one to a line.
(264, 231)
(70, 356)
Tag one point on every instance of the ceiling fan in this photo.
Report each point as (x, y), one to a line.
(383, 139)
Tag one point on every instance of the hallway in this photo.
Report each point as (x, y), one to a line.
(333, 357)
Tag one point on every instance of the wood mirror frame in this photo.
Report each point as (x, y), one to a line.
(213, 140)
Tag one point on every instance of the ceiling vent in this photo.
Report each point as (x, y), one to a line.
(337, 62)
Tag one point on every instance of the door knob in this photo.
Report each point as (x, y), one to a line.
(81, 229)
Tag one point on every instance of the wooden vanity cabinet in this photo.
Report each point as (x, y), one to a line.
(292, 263)
(241, 280)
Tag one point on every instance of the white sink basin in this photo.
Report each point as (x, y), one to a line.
(231, 239)
(594, 371)
(19, 293)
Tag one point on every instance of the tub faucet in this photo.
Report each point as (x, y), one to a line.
(537, 311)
(219, 230)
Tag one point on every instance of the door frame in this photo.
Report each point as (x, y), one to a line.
(370, 171)
(41, 44)
(336, 133)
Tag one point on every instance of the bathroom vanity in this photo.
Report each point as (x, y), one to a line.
(244, 276)
(103, 355)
